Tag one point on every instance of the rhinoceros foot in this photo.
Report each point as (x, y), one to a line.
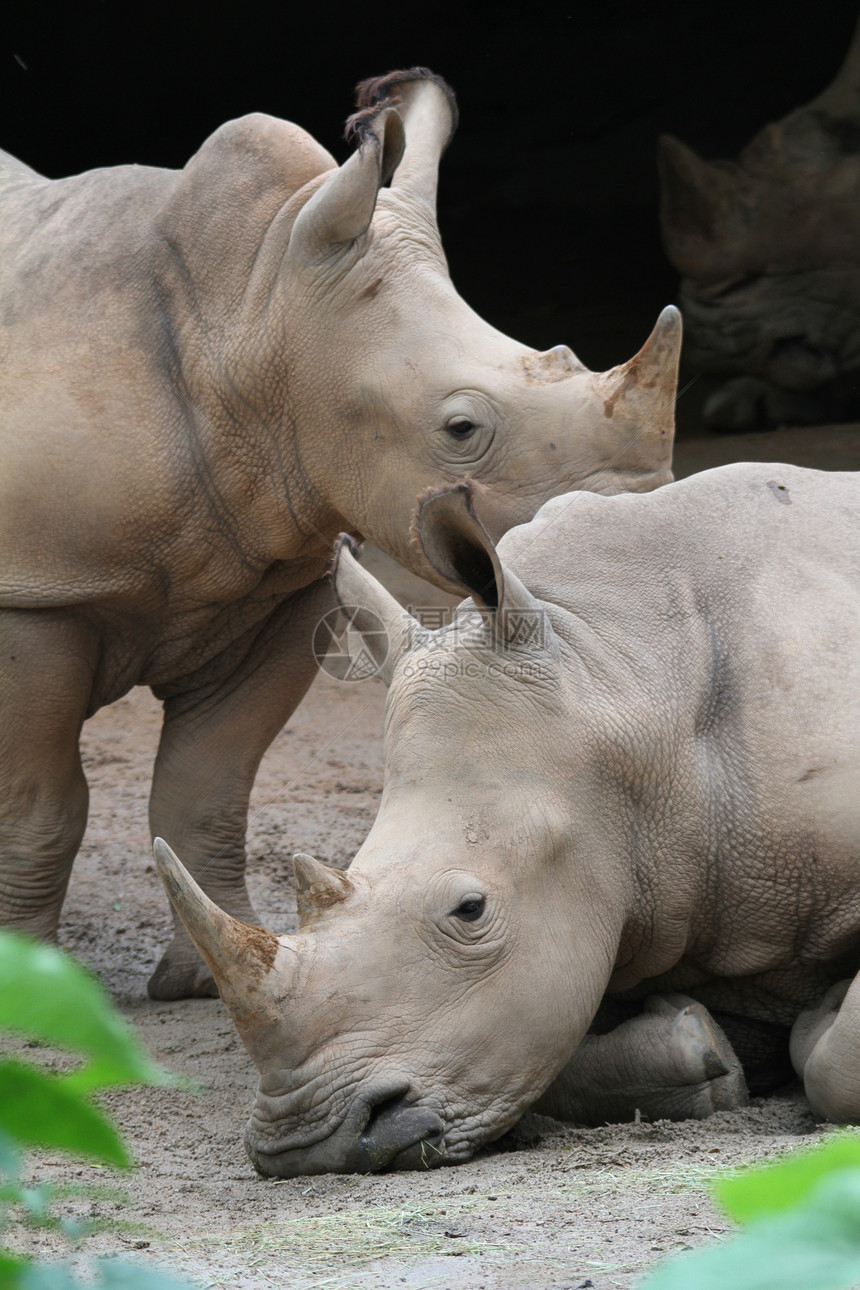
(699, 1072)
(181, 977)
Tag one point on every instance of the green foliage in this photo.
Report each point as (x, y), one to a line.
(802, 1217)
(41, 1110)
(47, 997)
(770, 1189)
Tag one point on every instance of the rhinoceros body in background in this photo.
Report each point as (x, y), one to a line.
(639, 777)
(208, 374)
(769, 250)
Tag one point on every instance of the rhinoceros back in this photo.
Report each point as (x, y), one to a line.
(747, 516)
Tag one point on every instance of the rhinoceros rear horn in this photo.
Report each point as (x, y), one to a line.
(462, 553)
(341, 209)
(428, 108)
(319, 887)
(239, 955)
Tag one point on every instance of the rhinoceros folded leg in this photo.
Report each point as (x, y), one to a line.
(671, 1062)
(212, 742)
(825, 1050)
(47, 664)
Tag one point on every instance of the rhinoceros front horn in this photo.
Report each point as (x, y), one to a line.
(239, 955)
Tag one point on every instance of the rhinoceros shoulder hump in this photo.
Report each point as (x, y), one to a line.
(12, 168)
(275, 152)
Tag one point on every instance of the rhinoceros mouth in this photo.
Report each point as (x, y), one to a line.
(384, 1128)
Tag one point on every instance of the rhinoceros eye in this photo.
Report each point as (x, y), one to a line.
(470, 909)
(461, 428)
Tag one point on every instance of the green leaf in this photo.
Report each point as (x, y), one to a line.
(9, 1159)
(105, 1074)
(33, 1201)
(114, 1274)
(45, 994)
(48, 1276)
(117, 1274)
(38, 1109)
(11, 1270)
(770, 1189)
(816, 1247)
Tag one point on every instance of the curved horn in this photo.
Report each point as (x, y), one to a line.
(427, 105)
(647, 385)
(318, 887)
(384, 625)
(239, 955)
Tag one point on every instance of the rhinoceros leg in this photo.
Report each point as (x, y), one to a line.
(825, 1050)
(47, 664)
(671, 1062)
(212, 742)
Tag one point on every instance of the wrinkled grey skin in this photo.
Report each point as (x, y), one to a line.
(656, 796)
(206, 375)
(769, 250)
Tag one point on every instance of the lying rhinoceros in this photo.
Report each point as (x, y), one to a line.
(206, 375)
(636, 774)
(769, 250)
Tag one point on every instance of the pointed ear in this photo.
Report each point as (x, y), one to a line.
(461, 551)
(384, 625)
(318, 887)
(428, 108)
(341, 209)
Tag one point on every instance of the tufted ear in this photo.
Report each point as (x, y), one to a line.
(428, 108)
(318, 887)
(462, 552)
(341, 209)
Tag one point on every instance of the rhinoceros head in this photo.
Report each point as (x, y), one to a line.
(434, 990)
(390, 384)
(769, 247)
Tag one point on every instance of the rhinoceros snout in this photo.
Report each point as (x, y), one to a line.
(383, 1129)
(400, 1136)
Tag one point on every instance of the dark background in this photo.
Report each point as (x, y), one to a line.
(548, 198)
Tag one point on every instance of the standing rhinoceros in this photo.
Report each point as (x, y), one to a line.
(769, 250)
(638, 777)
(206, 375)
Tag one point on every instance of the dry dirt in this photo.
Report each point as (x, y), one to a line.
(558, 1206)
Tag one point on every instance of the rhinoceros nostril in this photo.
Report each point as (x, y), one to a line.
(396, 1125)
(380, 1111)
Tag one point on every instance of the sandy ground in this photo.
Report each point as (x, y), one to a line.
(554, 1206)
